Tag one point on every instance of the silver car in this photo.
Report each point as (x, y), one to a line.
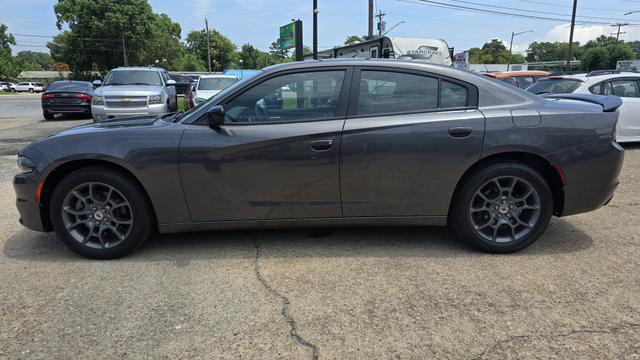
(134, 91)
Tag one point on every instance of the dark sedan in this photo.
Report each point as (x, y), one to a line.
(330, 143)
(183, 83)
(67, 97)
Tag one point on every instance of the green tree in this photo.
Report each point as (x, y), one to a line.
(189, 62)
(98, 29)
(34, 60)
(250, 57)
(595, 58)
(223, 51)
(352, 38)
(277, 51)
(10, 67)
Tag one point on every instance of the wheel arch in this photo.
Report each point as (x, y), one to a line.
(54, 177)
(550, 172)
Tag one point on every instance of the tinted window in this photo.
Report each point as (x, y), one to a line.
(625, 88)
(602, 88)
(524, 81)
(215, 83)
(288, 98)
(390, 92)
(23, 84)
(180, 78)
(133, 77)
(554, 86)
(68, 86)
(509, 80)
(452, 95)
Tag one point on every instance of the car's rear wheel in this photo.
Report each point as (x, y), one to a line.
(48, 115)
(503, 207)
(32, 90)
(100, 213)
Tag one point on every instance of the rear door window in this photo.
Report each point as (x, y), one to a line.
(625, 88)
(383, 92)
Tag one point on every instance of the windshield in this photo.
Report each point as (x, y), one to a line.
(133, 77)
(215, 83)
(68, 86)
(222, 93)
(554, 86)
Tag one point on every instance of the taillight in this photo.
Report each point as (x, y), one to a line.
(47, 96)
(83, 96)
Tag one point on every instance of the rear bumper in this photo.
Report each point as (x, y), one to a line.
(591, 172)
(67, 109)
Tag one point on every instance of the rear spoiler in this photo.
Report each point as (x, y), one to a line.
(608, 103)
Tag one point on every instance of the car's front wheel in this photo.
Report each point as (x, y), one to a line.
(503, 207)
(48, 115)
(100, 213)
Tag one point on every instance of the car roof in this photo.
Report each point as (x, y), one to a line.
(508, 74)
(137, 68)
(218, 76)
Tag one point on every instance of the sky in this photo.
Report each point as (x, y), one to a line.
(257, 21)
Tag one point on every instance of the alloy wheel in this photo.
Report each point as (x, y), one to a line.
(97, 215)
(505, 209)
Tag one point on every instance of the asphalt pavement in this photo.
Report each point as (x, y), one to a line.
(21, 122)
(349, 293)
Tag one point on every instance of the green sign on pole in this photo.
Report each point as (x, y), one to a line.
(287, 36)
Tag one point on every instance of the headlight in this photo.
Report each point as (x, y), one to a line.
(156, 99)
(97, 100)
(25, 164)
(199, 100)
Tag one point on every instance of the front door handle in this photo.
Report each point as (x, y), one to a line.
(321, 145)
(460, 131)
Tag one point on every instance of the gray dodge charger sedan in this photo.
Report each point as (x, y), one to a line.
(330, 143)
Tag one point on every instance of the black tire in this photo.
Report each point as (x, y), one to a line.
(48, 115)
(32, 91)
(141, 213)
(461, 214)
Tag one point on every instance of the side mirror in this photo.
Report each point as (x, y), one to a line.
(215, 116)
(171, 82)
(97, 82)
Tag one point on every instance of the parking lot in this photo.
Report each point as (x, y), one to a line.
(388, 292)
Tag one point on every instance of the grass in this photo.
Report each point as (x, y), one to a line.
(2, 92)
(182, 103)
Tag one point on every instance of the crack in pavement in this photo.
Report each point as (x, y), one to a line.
(293, 332)
(612, 330)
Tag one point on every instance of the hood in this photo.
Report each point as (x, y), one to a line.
(122, 123)
(128, 90)
(205, 94)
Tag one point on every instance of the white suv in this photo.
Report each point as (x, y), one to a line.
(209, 85)
(30, 87)
(626, 85)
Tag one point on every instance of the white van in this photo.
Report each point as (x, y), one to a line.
(433, 51)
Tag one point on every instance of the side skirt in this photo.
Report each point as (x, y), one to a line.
(303, 223)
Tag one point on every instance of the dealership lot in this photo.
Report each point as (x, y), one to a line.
(340, 293)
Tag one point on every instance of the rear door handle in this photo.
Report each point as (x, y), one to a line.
(460, 131)
(321, 145)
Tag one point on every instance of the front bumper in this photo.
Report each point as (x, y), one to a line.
(100, 112)
(591, 172)
(26, 186)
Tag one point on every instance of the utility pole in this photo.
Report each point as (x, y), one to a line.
(315, 29)
(380, 16)
(124, 51)
(206, 25)
(370, 32)
(511, 45)
(573, 25)
(617, 34)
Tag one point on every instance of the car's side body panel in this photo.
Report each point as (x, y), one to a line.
(406, 165)
(267, 171)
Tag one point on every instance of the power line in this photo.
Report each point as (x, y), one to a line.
(535, 11)
(495, 12)
(569, 7)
